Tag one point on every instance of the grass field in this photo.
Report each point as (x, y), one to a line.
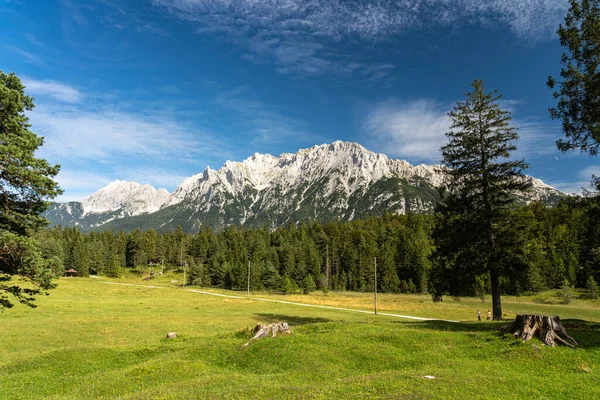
(93, 340)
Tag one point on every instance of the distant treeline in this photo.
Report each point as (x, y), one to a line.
(563, 246)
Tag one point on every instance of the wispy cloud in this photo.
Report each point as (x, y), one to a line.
(412, 130)
(56, 90)
(266, 123)
(102, 134)
(297, 35)
(376, 20)
(416, 130)
(77, 184)
(157, 177)
(99, 145)
(581, 182)
(27, 56)
(295, 55)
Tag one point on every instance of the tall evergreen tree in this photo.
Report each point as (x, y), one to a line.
(25, 183)
(578, 91)
(484, 181)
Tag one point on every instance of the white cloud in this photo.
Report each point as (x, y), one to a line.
(78, 184)
(582, 181)
(528, 19)
(416, 130)
(413, 130)
(74, 133)
(296, 35)
(302, 56)
(56, 90)
(97, 146)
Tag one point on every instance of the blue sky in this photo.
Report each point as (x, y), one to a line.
(155, 90)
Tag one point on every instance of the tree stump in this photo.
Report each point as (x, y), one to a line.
(548, 329)
(262, 330)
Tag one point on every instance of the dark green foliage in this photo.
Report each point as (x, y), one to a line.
(566, 293)
(26, 183)
(196, 277)
(543, 246)
(475, 230)
(113, 269)
(288, 286)
(81, 259)
(578, 91)
(592, 287)
(308, 284)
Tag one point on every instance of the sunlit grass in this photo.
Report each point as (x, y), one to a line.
(93, 340)
(419, 305)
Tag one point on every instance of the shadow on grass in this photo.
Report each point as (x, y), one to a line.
(586, 333)
(290, 319)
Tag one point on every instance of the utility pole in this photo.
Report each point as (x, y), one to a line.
(327, 269)
(375, 286)
(248, 278)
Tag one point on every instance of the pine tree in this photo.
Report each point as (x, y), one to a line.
(484, 181)
(579, 87)
(26, 183)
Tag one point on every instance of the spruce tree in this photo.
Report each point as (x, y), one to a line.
(25, 183)
(484, 181)
(578, 88)
(308, 284)
(196, 277)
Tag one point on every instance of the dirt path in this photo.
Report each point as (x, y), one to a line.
(285, 302)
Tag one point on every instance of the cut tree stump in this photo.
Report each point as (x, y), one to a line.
(548, 329)
(262, 330)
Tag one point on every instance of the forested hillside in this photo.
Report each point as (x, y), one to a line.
(563, 245)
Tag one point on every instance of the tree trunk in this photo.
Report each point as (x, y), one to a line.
(263, 330)
(548, 329)
(496, 299)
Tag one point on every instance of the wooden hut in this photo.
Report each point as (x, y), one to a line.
(70, 272)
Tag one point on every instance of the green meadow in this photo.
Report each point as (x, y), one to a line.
(89, 339)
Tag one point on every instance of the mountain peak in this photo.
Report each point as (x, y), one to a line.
(131, 197)
(341, 180)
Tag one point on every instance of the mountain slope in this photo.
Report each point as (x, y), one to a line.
(339, 180)
(118, 200)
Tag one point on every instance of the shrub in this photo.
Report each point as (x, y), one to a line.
(566, 293)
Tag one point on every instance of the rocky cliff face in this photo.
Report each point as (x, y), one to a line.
(340, 180)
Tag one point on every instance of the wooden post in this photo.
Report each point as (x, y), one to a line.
(375, 286)
(184, 267)
(248, 279)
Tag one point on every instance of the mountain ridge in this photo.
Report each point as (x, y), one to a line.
(340, 180)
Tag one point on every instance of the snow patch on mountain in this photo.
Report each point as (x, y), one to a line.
(131, 197)
(338, 180)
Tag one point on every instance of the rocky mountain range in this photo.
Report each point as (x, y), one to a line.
(341, 180)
